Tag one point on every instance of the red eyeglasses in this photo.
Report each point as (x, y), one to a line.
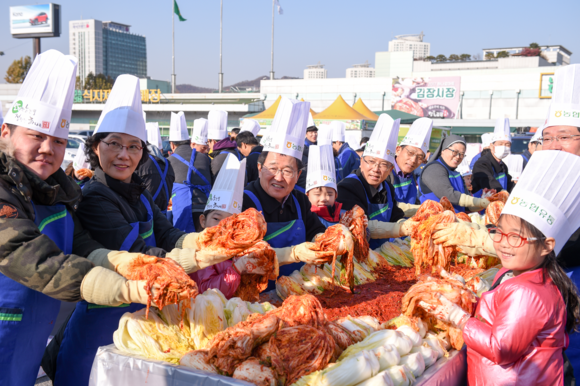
(513, 239)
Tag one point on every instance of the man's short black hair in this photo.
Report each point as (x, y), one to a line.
(179, 143)
(263, 155)
(246, 137)
(364, 140)
(311, 128)
(235, 130)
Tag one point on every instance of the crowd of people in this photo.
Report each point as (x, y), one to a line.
(71, 236)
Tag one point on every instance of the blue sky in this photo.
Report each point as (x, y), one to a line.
(337, 33)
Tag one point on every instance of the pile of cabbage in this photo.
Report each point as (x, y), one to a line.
(167, 335)
(314, 280)
(384, 357)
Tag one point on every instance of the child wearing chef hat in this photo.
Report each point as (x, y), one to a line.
(225, 200)
(519, 328)
(321, 184)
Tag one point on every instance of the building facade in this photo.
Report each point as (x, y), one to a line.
(360, 71)
(414, 43)
(107, 48)
(315, 71)
(557, 54)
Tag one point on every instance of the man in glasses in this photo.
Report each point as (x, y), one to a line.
(410, 155)
(490, 172)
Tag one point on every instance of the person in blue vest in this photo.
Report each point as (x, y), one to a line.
(157, 173)
(286, 210)
(193, 178)
(348, 160)
(441, 179)
(485, 141)
(311, 132)
(321, 185)
(221, 143)
(534, 145)
(369, 188)
(490, 172)
(410, 155)
(45, 251)
(121, 215)
(250, 148)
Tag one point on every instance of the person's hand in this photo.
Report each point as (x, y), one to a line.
(83, 173)
(248, 264)
(459, 233)
(446, 311)
(407, 227)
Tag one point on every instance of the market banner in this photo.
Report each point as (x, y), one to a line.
(427, 97)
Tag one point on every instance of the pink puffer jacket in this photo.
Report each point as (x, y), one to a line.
(222, 276)
(518, 333)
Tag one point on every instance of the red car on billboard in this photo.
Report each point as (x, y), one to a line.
(41, 18)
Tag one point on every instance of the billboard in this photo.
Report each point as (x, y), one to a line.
(437, 135)
(30, 21)
(427, 97)
(546, 85)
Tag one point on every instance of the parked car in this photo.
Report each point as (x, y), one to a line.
(520, 142)
(72, 148)
(41, 18)
(81, 133)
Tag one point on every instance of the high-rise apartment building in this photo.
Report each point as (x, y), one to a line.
(360, 71)
(315, 71)
(411, 43)
(107, 48)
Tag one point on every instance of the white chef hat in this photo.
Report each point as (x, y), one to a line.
(324, 135)
(45, 99)
(250, 125)
(80, 160)
(486, 139)
(178, 128)
(310, 121)
(383, 140)
(199, 134)
(321, 171)
(153, 134)
(501, 131)
(537, 135)
(287, 133)
(338, 131)
(228, 190)
(123, 112)
(419, 134)
(547, 195)
(565, 106)
(217, 121)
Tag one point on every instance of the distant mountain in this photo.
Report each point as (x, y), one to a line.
(255, 84)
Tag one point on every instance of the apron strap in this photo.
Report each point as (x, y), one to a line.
(255, 200)
(297, 208)
(163, 175)
(300, 189)
(192, 168)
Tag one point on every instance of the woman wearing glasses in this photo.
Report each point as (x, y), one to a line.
(440, 179)
(518, 331)
(489, 171)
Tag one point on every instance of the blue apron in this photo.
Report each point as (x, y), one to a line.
(405, 188)
(26, 316)
(92, 326)
(380, 212)
(327, 223)
(163, 183)
(338, 171)
(456, 182)
(181, 198)
(348, 160)
(283, 234)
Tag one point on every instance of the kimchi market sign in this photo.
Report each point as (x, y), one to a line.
(427, 97)
(84, 96)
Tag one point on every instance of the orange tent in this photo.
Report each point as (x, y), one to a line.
(269, 112)
(339, 109)
(364, 110)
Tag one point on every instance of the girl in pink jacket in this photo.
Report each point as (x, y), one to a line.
(519, 330)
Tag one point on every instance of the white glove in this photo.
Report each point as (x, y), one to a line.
(188, 241)
(107, 288)
(185, 258)
(299, 253)
(248, 264)
(469, 238)
(473, 203)
(409, 209)
(448, 311)
(118, 261)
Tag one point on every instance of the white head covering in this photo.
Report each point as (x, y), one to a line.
(547, 195)
(199, 134)
(537, 135)
(178, 128)
(153, 134)
(287, 133)
(45, 99)
(310, 121)
(419, 134)
(123, 112)
(501, 131)
(80, 162)
(324, 135)
(250, 125)
(227, 193)
(486, 139)
(383, 140)
(217, 121)
(321, 171)
(464, 169)
(565, 106)
(338, 131)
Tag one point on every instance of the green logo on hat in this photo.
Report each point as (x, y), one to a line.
(16, 107)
